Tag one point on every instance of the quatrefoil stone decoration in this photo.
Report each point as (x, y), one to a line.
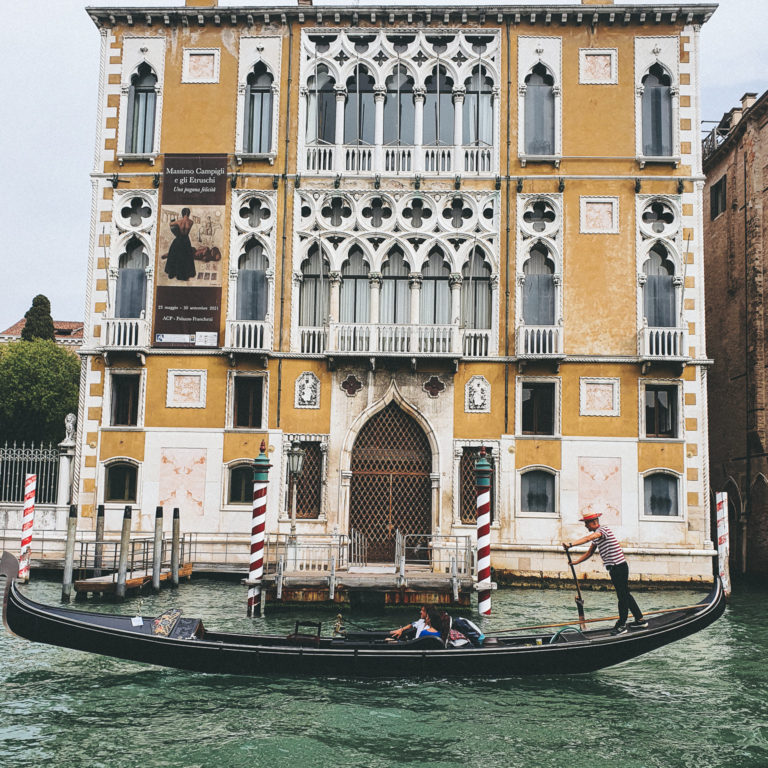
(539, 216)
(254, 212)
(433, 386)
(457, 212)
(417, 212)
(351, 385)
(658, 216)
(135, 211)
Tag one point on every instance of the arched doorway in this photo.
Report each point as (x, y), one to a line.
(390, 488)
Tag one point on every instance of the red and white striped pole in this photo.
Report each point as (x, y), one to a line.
(27, 523)
(483, 471)
(258, 524)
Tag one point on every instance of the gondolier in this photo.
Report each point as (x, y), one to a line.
(602, 539)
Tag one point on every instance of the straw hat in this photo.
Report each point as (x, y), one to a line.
(590, 515)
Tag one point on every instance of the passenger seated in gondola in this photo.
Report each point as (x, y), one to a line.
(427, 624)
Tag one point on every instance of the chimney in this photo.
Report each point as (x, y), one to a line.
(305, 2)
(201, 3)
(747, 100)
(735, 117)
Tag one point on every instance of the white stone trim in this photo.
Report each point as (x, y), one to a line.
(172, 373)
(681, 497)
(586, 52)
(229, 404)
(101, 484)
(584, 227)
(106, 398)
(615, 409)
(519, 472)
(136, 50)
(186, 77)
(519, 381)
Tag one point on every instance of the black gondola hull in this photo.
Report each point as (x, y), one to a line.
(190, 647)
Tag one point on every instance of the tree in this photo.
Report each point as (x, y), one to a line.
(39, 323)
(38, 388)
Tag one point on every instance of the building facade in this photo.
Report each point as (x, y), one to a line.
(735, 163)
(397, 235)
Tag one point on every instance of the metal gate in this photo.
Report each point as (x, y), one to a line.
(391, 488)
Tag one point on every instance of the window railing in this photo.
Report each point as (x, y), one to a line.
(126, 333)
(475, 342)
(438, 159)
(359, 159)
(539, 341)
(313, 341)
(248, 335)
(663, 343)
(373, 338)
(321, 159)
(399, 159)
(478, 159)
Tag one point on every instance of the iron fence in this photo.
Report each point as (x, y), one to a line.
(18, 462)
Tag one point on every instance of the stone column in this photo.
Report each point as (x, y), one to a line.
(419, 94)
(496, 129)
(414, 283)
(379, 95)
(454, 281)
(341, 100)
(335, 280)
(458, 118)
(66, 462)
(374, 281)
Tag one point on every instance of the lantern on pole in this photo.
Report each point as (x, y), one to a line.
(295, 466)
(483, 472)
(261, 467)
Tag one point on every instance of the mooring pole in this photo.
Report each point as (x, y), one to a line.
(157, 551)
(261, 467)
(98, 552)
(69, 554)
(125, 544)
(175, 546)
(483, 471)
(27, 524)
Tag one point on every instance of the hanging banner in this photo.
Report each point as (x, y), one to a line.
(190, 251)
(721, 501)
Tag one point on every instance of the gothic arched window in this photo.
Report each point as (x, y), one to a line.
(435, 307)
(476, 292)
(321, 108)
(399, 110)
(131, 294)
(257, 133)
(140, 121)
(252, 291)
(659, 289)
(438, 109)
(657, 113)
(539, 287)
(354, 304)
(539, 112)
(478, 109)
(360, 111)
(394, 306)
(315, 296)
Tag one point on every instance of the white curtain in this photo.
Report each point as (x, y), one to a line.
(394, 304)
(539, 289)
(435, 307)
(131, 293)
(354, 303)
(476, 292)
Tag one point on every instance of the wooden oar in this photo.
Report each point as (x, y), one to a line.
(601, 618)
(579, 599)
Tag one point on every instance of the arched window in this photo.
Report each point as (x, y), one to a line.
(321, 108)
(140, 122)
(394, 305)
(399, 110)
(257, 133)
(539, 287)
(435, 307)
(476, 292)
(355, 289)
(131, 297)
(315, 290)
(657, 113)
(360, 111)
(120, 482)
(438, 109)
(659, 289)
(252, 292)
(241, 484)
(478, 109)
(539, 112)
(537, 492)
(661, 495)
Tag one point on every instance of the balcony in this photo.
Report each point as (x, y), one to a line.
(248, 336)
(539, 341)
(126, 333)
(659, 344)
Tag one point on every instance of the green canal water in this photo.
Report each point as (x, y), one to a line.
(700, 702)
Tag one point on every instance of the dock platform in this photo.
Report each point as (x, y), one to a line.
(135, 580)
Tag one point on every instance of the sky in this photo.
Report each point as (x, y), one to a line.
(48, 133)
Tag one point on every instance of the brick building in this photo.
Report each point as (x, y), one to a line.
(736, 266)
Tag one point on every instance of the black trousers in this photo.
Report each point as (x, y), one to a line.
(620, 577)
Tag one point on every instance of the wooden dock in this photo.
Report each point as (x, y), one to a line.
(135, 580)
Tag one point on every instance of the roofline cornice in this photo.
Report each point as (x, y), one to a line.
(523, 15)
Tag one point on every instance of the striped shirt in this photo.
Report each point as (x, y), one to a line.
(609, 547)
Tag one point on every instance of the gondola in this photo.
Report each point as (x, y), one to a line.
(171, 640)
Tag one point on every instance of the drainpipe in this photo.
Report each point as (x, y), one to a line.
(506, 238)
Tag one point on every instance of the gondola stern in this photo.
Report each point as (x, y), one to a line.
(9, 568)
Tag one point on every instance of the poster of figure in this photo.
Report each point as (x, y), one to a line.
(190, 251)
